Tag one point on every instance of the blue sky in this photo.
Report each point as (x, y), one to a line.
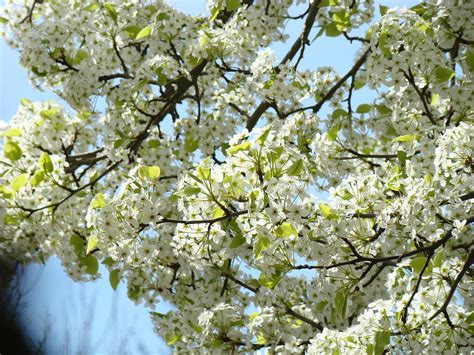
(113, 323)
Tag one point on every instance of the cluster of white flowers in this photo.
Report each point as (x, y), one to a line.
(215, 181)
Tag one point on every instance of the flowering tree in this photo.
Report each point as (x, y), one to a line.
(213, 181)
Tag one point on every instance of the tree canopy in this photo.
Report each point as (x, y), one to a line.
(201, 169)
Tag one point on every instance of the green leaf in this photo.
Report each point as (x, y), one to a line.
(369, 350)
(149, 172)
(327, 212)
(418, 263)
(263, 136)
(325, 3)
(285, 229)
(203, 173)
(3, 20)
(12, 151)
(37, 178)
(333, 132)
(383, 9)
(98, 201)
(171, 338)
(114, 278)
(331, 30)
(91, 244)
(81, 54)
(296, 168)
(358, 84)
(341, 20)
(91, 7)
(269, 281)
(470, 60)
(190, 144)
(217, 212)
(364, 108)
(438, 259)
(132, 31)
(45, 163)
(91, 263)
(261, 244)
(237, 241)
(232, 5)
(406, 138)
(214, 13)
(382, 338)
(383, 110)
(190, 191)
(133, 292)
(49, 113)
(339, 112)
(340, 303)
(78, 244)
(12, 132)
(19, 182)
(383, 44)
(195, 327)
(144, 32)
(162, 16)
(239, 147)
(420, 9)
(442, 74)
(110, 8)
(321, 305)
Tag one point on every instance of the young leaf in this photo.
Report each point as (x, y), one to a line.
(91, 263)
(18, 182)
(214, 13)
(144, 32)
(109, 7)
(190, 144)
(190, 191)
(470, 60)
(383, 44)
(12, 132)
(383, 9)
(171, 339)
(237, 148)
(45, 163)
(327, 212)
(81, 54)
(406, 138)
(331, 30)
(382, 338)
(263, 136)
(333, 132)
(78, 244)
(91, 244)
(37, 178)
(237, 241)
(98, 201)
(149, 172)
(114, 278)
(261, 244)
(12, 151)
(443, 74)
(341, 20)
(232, 5)
(340, 303)
(132, 31)
(296, 168)
(363, 108)
(285, 230)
